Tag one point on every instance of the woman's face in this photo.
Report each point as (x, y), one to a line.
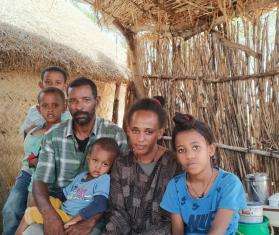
(144, 131)
(193, 152)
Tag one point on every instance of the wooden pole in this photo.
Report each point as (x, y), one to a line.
(116, 103)
(218, 80)
(274, 154)
(131, 41)
(238, 46)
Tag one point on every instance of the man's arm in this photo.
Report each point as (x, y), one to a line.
(52, 221)
(45, 175)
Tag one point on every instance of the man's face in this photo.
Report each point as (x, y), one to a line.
(144, 132)
(82, 104)
(53, 79)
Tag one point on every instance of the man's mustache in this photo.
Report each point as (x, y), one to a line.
(81, 113)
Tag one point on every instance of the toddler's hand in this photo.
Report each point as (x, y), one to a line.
(68, 224)
(72, 221)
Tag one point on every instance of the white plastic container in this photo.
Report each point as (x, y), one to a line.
(274, 200)
(252, 214)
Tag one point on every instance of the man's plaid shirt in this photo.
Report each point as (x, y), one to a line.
(60, 160)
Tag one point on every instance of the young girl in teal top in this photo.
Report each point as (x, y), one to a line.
(204, 199)
(51, 105)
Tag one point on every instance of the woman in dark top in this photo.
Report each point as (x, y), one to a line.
(139, 179)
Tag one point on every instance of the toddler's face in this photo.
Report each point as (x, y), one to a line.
(99, 161)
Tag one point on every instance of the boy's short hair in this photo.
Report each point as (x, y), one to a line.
(51, 90)
(108, 144)
(55, 69)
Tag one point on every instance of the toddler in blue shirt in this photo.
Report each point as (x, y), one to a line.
(88, 193)
(204, 199)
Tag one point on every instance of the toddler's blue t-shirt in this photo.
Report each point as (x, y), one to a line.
(80, 193)
(226, 192)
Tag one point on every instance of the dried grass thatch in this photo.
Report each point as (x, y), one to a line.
(31, 53)
(174, 17)
(36, 33)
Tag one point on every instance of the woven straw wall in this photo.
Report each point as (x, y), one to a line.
(229, 78)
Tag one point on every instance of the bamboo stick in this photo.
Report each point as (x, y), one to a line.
(248, 150)
(220, 80)
(241, 149)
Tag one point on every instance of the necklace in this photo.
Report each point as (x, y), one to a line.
(198, 195)
(154, 159)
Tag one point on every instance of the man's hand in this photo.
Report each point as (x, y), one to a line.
(80, 228)
(53, 225)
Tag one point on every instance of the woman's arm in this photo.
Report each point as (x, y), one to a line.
(177, 225)
(118, 222)
(221, 222)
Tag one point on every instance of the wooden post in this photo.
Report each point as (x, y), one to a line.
(116, 103)
(131, 41)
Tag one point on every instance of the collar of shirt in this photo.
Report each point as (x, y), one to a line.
(70, 131)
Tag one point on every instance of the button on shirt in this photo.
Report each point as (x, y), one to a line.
(60, 159)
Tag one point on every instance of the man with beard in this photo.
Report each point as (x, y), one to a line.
(63, 156)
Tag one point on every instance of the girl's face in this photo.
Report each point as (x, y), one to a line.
(193, 152)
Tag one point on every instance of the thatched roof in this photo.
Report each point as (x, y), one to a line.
(178, 17)
(34, 34)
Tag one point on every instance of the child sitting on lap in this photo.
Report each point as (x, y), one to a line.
(204, 199)
(88, 193)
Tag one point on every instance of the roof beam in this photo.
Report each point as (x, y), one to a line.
(143, 11)
(234, 45)
(162, 7)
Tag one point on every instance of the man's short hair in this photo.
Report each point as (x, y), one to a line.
(107, 144)
(83, 81)
(55, 69)
(51, 90)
